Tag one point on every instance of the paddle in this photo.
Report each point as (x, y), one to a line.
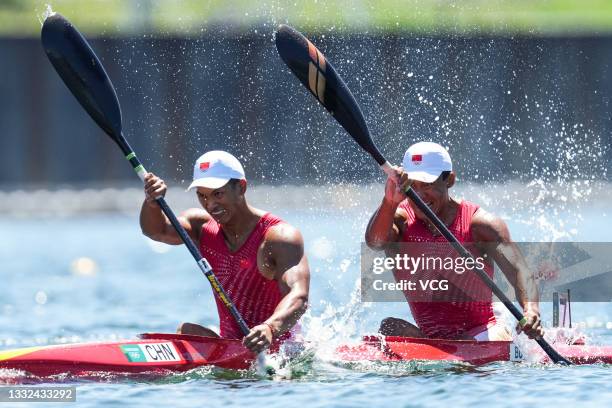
(81, 70)
(321, 79)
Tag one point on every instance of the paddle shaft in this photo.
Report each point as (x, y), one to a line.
(443, 229)
(201, 261)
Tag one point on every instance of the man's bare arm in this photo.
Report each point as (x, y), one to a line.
(492, 234)
(156, 225)
(291, 271)
(285, 262)
(383, 227)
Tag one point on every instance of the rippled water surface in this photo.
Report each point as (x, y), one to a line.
(95, 277)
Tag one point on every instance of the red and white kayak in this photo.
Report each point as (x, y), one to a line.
(152, 353)
(163, 353)
(374, 348)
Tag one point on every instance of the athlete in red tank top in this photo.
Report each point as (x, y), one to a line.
(258, 259)
(471, 310)
(464, 310)
(255, 296)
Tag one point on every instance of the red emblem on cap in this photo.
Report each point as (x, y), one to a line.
(204, 166)
(417, 158)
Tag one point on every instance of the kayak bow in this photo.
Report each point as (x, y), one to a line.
(153, 353)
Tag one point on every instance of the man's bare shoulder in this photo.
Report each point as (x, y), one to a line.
(283, 248)
(284, 233)
(488, 227)
(196, 217)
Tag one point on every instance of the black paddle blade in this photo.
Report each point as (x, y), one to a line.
(82, 72)
(320, 78)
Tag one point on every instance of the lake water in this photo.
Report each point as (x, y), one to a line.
(124, 284)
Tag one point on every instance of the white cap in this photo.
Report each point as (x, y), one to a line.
(425, 161)
(215, 168)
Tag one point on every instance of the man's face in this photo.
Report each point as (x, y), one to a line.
(221, 203)
(435, 195)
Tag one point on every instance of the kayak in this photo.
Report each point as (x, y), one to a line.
(391, 348)
(158, 353)
(151, 353)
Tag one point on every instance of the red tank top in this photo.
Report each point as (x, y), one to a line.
(466, 307)
(255, 296)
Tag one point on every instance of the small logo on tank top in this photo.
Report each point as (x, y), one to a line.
(244, 263)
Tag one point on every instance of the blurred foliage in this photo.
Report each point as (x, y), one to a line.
(190, 17)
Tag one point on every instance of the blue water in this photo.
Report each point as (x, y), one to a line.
(137, 286)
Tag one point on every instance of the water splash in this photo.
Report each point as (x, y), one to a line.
(46, 14)
(335, 325)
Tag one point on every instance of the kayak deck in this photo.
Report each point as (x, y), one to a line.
(150, 354)
(164, 353)
(391, 348)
